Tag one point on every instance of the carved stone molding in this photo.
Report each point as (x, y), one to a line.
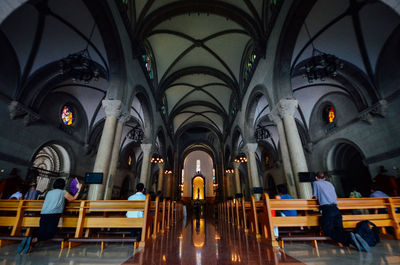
(17, 109)
(112, 107)
(287, 107)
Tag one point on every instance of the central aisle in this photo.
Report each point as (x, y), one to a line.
(201, 241)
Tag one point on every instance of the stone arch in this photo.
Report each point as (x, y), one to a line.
(258, 92)
(387, 68)
(237, 135)
(59, 152)
(147, 111)
(345, 163)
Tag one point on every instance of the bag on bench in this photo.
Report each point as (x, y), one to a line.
(370, 235)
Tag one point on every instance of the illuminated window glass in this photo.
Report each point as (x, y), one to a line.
(67, 115)
(130, 161)
(213, 172)
(198, 169)
(329, 114)
(147, 64)
(250, 66)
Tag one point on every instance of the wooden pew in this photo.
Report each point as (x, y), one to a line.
(268, 222)
(90, 216)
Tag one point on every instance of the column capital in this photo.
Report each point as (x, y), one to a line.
(274, 116)
(124, 118)
(236, 165)
(287, 107)
(146, 148)
(250, 147)
(112, 107)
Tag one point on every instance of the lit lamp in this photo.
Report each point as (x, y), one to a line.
(229, 171)
(241, 158)
(166, 172)
(157, 159)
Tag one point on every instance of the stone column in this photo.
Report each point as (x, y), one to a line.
(115, 156)
(237, 177)
(160, 183)
(287, 168)
(229, 185)
(168, 184)
(250, 149)
(113, 111)
(145, 170)
(286, 108)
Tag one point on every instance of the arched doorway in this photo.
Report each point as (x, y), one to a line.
(51, 161)
(347, 170)
(198, 187)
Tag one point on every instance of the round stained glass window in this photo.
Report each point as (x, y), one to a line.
(67, 115)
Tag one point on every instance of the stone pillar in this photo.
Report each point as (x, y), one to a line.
(237, 177)
(113, 111)
(287, 168)
(286, 108)
(160, 183)
(145, 170)
(250, 149)
(229, 185)
(168, 184)
(115, 156)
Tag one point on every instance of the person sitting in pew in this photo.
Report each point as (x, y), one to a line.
(332, 223)
(52, 209)
(138, 196)
(283, 194)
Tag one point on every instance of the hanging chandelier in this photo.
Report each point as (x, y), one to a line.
(136, 135)
(321, 66)
(240, 158)
(80, 67)
(229, 171)
(261, 133)
(157, 159)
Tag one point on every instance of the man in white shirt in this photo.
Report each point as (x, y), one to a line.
(138, 196)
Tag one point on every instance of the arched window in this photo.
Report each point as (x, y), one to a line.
(249, 66)
(329, 114)
(147, 63)
(130, 161)
(67, 115)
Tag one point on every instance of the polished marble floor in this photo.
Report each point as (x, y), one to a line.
(204, 242)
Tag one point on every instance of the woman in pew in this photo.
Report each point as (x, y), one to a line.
(283, 194)
(52, 209)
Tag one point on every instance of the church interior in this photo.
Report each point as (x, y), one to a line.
(212, 105)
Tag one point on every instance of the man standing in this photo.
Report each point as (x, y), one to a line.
(138, 196)
(331, 220)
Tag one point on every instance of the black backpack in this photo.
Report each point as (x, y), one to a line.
(368, 234)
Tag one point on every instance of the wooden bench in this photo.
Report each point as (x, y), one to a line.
(256, 216)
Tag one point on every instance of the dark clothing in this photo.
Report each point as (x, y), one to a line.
(48, 226)
(136, 232)
(332, 224)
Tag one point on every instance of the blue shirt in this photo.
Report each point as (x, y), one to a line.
(325, 192)
(138, 196)
(378, 194)
(32, 195)
(288, 212)
(54, 202)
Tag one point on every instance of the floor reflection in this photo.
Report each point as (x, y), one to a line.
(200, 241)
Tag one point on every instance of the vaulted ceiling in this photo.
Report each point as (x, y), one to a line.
(198, 52)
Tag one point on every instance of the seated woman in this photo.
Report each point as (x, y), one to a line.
(52, 209)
